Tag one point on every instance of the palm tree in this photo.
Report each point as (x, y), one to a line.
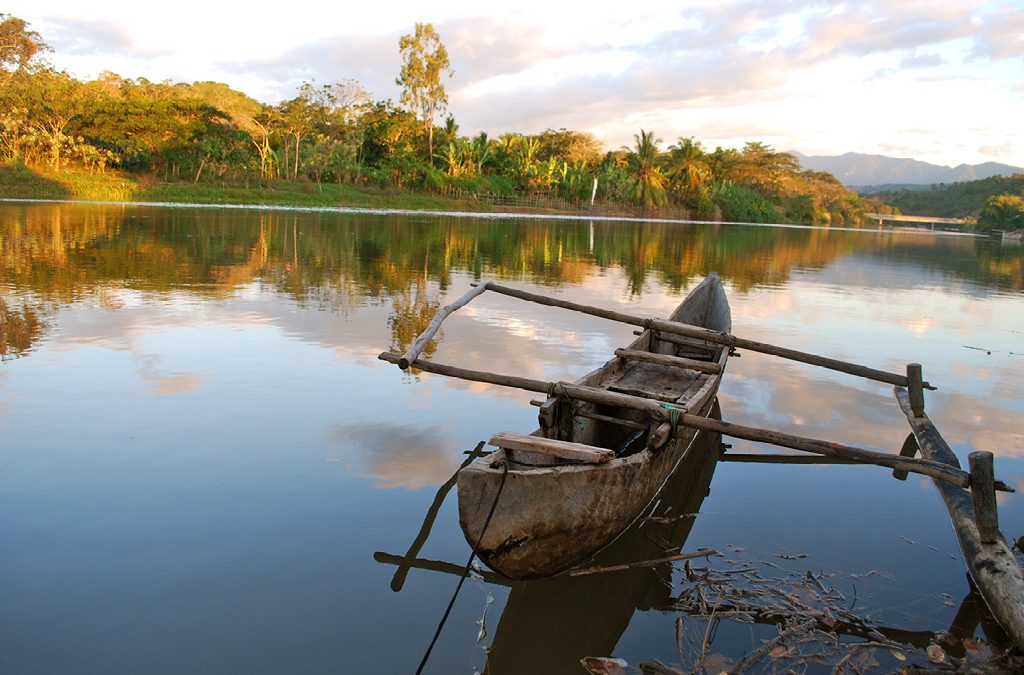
(687, 169)
(643, 160)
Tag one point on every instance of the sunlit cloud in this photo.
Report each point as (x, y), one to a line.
(803, 77)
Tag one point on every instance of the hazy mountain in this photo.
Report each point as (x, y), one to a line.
(856, 169)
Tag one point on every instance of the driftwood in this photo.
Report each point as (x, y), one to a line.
(700, 553)
(435, 324)
(665, 412)
(708, 335)
(992, 566)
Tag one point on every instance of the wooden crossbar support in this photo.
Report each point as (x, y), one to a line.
(708, 335)
(664, 412)
(692, 343)
(669, 360)
(435, 324)
(549, 446)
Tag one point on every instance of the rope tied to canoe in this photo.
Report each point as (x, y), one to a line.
(673, 416)
(558, 390)
(648, 324)
(469, 565)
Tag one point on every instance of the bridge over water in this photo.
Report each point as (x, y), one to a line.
(923, 220)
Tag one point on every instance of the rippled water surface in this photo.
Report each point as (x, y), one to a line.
(201, 454)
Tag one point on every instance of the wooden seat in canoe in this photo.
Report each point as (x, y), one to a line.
(548, 446)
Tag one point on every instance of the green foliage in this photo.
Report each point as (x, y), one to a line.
(958, 200)
(1002, 212)
(741, 204)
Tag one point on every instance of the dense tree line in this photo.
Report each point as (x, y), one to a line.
(336, 132)
(957, 200)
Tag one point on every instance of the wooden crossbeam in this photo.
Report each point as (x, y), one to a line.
(549, 446)
(669, 360)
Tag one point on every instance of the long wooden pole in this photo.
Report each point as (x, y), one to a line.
(992, 565)
(664, 412)
(708, 335)
(435, 324)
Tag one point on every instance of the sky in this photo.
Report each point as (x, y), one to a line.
(939, 81)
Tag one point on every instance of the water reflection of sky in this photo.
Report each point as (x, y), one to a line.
(212, 464)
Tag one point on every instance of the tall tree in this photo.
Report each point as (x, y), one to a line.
(18, 46)
(424, 62)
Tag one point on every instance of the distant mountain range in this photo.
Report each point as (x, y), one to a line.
(856, 170)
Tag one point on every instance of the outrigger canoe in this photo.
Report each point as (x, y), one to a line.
(605, 444)
(560, 505)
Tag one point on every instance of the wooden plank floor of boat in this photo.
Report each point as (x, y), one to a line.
(654, 381)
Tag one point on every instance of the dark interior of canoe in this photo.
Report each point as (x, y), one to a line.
(689, 370)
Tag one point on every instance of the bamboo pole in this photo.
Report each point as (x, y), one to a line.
(665, 412)
(709, 335)
(992, 566)
(435, 324)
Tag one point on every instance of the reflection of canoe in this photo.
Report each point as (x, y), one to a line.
(554, 512)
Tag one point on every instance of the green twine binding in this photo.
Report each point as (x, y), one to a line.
(673, 416)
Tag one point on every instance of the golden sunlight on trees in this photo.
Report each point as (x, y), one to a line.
(165, 134)
(424, 62)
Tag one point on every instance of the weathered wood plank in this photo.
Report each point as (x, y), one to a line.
(435, 324)
(550, 446)
(992, 566)
(669, 360)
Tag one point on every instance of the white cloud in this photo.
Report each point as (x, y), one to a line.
(825, 77)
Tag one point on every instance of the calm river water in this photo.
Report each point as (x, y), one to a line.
(201, 454)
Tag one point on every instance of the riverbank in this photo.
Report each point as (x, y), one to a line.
(20, 182)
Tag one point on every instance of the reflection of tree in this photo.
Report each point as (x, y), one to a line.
(412, 310)
(64, 253)
(19, 327)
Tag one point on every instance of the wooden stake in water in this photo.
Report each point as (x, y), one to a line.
(915, 387)
(984, 494)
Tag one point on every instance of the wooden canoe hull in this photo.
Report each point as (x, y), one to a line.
(551, 518)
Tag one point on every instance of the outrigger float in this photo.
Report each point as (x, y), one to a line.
(546, 501)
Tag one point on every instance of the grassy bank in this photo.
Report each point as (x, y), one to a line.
(20, 182)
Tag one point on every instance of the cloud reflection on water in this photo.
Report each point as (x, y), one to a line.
(397, 455)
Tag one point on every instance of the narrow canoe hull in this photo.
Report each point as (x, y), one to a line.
(549, 519)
